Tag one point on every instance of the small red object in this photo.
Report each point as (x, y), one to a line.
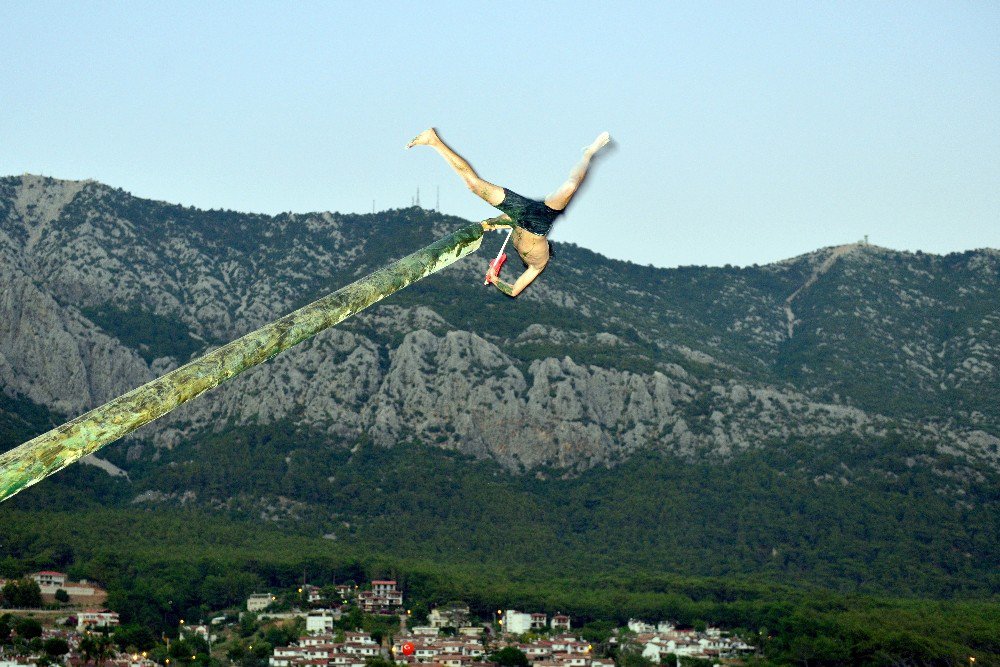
(496, 264)
(407, 648)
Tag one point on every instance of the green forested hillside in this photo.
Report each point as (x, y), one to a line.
(762, 512)
(165, 564)
(757, 515)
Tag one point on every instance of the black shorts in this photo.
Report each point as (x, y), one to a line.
(532, 216)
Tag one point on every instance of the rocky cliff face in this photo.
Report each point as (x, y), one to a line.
(100, 292)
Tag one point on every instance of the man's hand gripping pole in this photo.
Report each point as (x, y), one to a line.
(500, 259)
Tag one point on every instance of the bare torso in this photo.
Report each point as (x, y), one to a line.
(533, 249)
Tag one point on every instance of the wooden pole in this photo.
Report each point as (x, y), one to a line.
(50, 452)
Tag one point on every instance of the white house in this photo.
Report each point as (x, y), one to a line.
(516, 622)
(260, 601)
(473, 650)
(560, 622)
(312, 593)
(315, 640)
(383, 587)
(639, 627)
(321, 621)
(283, 656)
(653, 649)
(537, 651)
(361, 648)
(454, 615)
(95, 618)
(49, 581)
(319, 652)
(381, 597)
(386, 590)
(564, 644)
(688, 647)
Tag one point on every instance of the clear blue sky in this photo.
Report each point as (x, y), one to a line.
(745, 132)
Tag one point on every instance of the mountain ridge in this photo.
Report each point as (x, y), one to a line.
(68, 188)
(619, 415)
(93, 258)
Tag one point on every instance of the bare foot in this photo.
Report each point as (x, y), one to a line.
(600, 142)
(425, 138)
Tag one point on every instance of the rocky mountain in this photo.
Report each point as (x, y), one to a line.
(103, 291)
(831, 418)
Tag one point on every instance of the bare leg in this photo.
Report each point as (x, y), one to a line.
(559, 199)
(487, 191)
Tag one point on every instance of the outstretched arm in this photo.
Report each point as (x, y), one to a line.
(523, 281)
